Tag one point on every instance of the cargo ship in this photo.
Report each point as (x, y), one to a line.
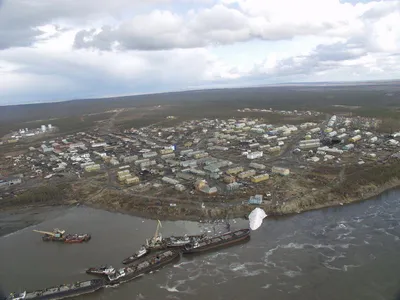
(60, 236)
(103, 270)
(62, 291)
(143, 251)
(152, 263)
(212, 243)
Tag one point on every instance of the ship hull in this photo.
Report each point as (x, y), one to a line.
(67, 239)
(221, 244)
(134, 275)
(99, 284)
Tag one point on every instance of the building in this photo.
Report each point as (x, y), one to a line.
(184, 176)
(355, 138)
(132, 180)
(257, 200)
(166, 151)
(170, 180)
(254, 155)
(229, 179)
(233, 186)
(246, 174)
(260, 178)
(10, 181)
(180, 187)
(280, 171)
(92, 168)
(129, 159)
(97, 145)
(257, 166)
(274, 149)
(46, 149)
(149, 154)
(348, 147)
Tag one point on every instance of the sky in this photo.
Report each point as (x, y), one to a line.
(54, 50)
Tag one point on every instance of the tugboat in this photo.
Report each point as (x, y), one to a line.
(143, 251)
(62, 291)
(59, 236)
(226, 239)
(152, 263)
(103, 270)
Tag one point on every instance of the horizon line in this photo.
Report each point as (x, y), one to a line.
(213, 87)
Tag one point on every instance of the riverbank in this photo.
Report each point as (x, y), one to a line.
(294, 194)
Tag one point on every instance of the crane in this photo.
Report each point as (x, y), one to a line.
(56, 232)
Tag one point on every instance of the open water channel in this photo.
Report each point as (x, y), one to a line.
(347, 253)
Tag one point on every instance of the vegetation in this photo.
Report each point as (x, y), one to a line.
(46, 194)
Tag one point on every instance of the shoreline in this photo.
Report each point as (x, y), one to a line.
(240, 211)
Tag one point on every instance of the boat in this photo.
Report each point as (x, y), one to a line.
(159, 243)
(152, 263)
(156, 242)
(56, 236)
(60, 236)
(211, 243)
(103, 270)
(143, 251)
(181, 241)
(62, 291)
(77, 238)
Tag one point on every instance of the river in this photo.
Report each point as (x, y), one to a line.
(348, 253)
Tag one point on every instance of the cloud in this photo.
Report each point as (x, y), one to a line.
(92, 48)
(20, 19)
(223, 24)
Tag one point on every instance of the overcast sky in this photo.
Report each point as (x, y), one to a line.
(53, 50)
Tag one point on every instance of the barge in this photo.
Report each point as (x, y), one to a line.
(213, 243)
(60, 236)
(152, 263)
(61, 292)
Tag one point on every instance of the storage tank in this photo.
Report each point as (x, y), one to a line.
(43, 128)
(50, 126)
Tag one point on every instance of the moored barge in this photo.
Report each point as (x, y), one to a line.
(152, 263)
(213, 243)
(61, 292)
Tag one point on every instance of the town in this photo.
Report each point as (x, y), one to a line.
(206, 162)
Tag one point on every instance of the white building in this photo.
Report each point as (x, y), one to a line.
(254, 155)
